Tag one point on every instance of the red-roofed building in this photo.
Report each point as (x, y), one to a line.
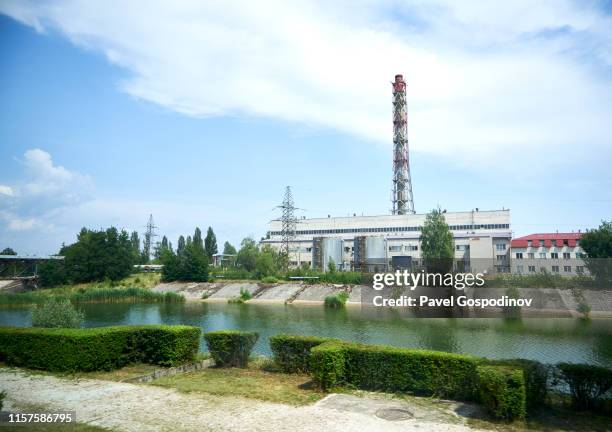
(557, 253)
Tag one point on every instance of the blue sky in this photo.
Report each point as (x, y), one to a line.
(202, 114)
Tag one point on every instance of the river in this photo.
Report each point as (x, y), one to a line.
(549, 340)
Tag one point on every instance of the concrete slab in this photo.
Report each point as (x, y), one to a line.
(232, 290)
(277, 294)
(355, 295)
(316, 293)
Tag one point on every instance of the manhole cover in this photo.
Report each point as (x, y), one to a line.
(394, 414)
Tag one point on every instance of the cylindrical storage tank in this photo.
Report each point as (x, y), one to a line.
(376, 253)
(324, 249)
(332, 250)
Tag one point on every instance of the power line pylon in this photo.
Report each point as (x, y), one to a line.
(149, 235)
(289, 223)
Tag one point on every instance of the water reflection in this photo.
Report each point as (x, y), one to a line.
(546, 339)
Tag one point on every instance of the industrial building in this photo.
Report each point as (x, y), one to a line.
(377, 243)
(376, 240)
(556, 253)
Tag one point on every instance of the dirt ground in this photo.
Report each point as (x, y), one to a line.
(129, 407)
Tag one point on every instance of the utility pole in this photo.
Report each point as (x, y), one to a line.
(149, 235)
(402, 185)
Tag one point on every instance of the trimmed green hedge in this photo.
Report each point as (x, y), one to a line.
(375, 367)
(536, 380)
(292, 353)
(230, 348)
(502, 391)
(102, 348)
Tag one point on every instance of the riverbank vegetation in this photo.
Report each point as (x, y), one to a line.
(102, 348)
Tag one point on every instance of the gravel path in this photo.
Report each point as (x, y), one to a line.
(129, 407)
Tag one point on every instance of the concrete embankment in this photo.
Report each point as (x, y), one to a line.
(545, 301)
(296, 293)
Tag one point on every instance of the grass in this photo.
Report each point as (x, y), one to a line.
(258, 381)
(134, 288)
(336, 301)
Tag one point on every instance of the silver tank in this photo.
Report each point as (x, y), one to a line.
(332, 248)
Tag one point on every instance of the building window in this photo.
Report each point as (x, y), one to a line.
(519, 255)
(567, 269)
(395, 248)
(531, 255)
(501, 257)
(542, 255)
(579, 269)
(580, 255)
(308, 249)
(500, 246)
(566, 255)
(529, 242)
(462, 247)
(519, 269)
(531, 269)
(554, 255)
(412, 248)
(555, 269)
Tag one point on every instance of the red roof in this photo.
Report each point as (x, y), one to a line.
(548, 238)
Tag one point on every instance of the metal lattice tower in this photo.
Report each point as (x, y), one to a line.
(149, 235)
(402, 185)
(289, 222)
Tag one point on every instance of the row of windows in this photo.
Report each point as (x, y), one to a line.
(398, 248)
(537, 243)
(555, 269)
(553, 255)
(390, 229)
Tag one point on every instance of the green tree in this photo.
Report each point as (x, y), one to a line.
(247, 255)
(57, 313)
(331, 265)
(97, 255)
(8, 251)
(598, 246)
(228, 249)
(197, 238)
(437, 247)
(267, 262)
(210, 243)
(191, 265)
(52, 273)
(135, 242)
(180, 248)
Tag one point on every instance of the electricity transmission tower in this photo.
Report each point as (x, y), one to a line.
(149, 235)
(289, 222)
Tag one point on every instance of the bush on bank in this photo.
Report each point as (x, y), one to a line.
(502, 391)
(588, 384)
(375, 367)
(292, 353)
(103, 348)
(57, 313)
(230, 348)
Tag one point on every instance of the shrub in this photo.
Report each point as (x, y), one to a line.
(57, 313)
(52, 273)
(230, 348)
(2, 397)
(336, 301)
(269, 279)
(328, 364)
(588, 384)
(536, 380)
(502, 391)
(375, 367)
(292, 353)
(102, 348)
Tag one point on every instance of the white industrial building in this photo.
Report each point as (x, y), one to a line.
(479, 236)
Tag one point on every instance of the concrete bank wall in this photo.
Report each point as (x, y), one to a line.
(546, 301)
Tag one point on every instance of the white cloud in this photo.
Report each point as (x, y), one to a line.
(487, 79)
(6, 190)
(44, 190)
